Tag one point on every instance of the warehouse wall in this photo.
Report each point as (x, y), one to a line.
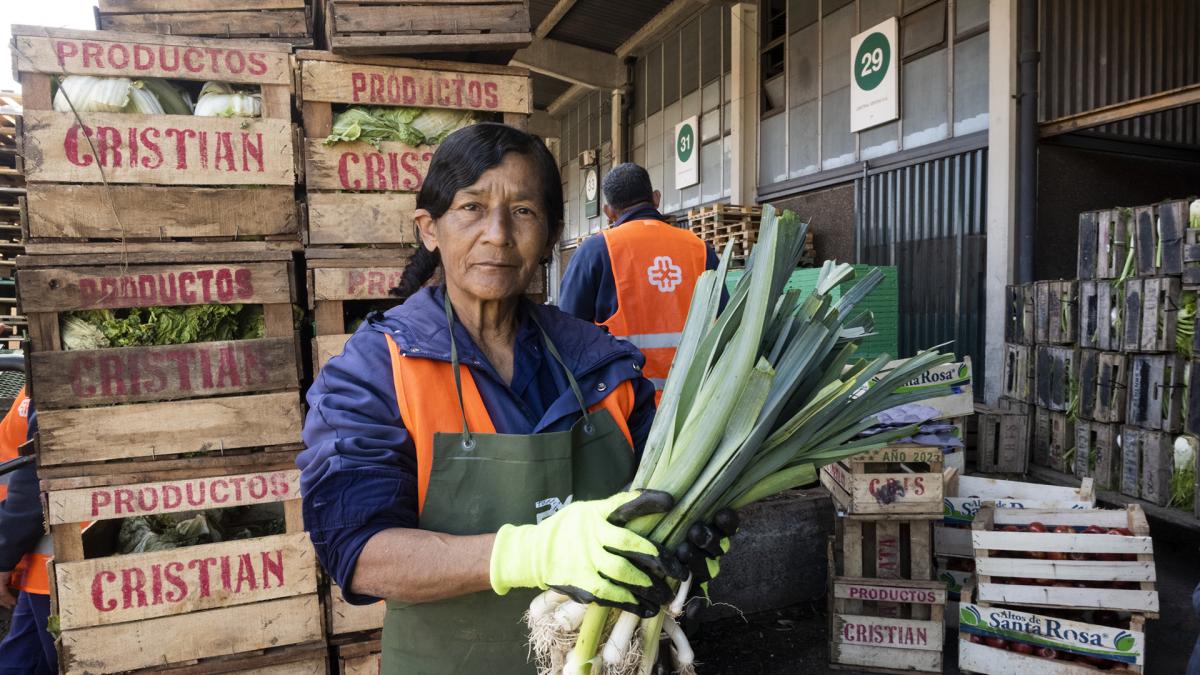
(830, 213)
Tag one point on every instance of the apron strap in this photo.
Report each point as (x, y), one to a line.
(468, 441)
(588, 427)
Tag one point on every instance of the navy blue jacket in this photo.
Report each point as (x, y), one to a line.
(21, 512)
(358, 471)
(588, 289)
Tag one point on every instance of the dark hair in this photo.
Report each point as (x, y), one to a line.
(457, 164)
(627, 185)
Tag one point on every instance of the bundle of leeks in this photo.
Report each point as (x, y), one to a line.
(759, 396)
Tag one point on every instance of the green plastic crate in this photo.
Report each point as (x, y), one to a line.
(884, 303)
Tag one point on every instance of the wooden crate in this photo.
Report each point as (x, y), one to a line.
(1089, 246)
(347, 623)
(884, 548)
(1191, 423)
(1120, 648)
(1053, 437)
(235, 597)
(1103, 383)
(1055, 376)
(362, 195)
(101, 407)
(236, 180)
(887, 626)
(966, 495)
(289, 21)
(1151, 312)
(1004, 440)
(424, 26)
(1018, 320)
(1191, 259)
(1056, 312)
(1097, 327)
(359, 658)
(1114, 228)
(1147, 461)
(899, 480)
(1018, 383)
(1157, 385)
(1025, 568)
(1098, 453)
(1158, 238)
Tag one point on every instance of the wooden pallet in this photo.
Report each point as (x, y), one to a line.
(1098, 453)
(1056, 368)
(980, 622)
(904, 481)
(362, 195)
(101, 407)
(236, 180)
(289, 21)
(1156, 391)
(1147, 461)
(1114, 231)
(424, 26)
(1056, 312)
(359, 658)
(886, 626)
(1018, 319)
(1053, 437)
(1151, 312)
(1158, 238)
(1004, 439)
(1023, 568)
(1103, 383)
(1019, 362)
(230, 597)
(1097, 327)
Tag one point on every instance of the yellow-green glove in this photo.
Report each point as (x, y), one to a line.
(585, 552)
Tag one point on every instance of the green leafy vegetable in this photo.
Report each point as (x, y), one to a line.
(146, 326)
(411, 126)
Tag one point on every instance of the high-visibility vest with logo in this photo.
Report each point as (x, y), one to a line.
(428, 405)
(655, 266)
(30, 573)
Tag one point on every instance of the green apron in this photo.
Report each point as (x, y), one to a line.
(479, 482)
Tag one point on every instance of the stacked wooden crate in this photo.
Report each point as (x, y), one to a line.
(424, 26)
(361, 198)
(723, 224)
(886, 606)
(1058, 591)
(127, 214)
(288, 21)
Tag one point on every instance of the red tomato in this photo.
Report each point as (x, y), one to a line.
(1021, 647)
(998, 643)
(1036, 527)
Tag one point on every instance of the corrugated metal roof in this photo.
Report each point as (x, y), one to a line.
(546, 89)
(606, 24)
(538, 9)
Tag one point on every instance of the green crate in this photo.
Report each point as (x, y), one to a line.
(884, 303)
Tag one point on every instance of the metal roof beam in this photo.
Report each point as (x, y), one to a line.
(673, 13)
(572, 63)
(576, 92)
(1166, 100)
(556, 14)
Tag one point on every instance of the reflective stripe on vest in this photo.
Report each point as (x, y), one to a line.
(655, 267)
(428, 405)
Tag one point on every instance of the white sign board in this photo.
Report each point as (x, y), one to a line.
(874, 76)
(687, 156)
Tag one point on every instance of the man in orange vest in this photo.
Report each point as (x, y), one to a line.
(636, 278)
(24, 551)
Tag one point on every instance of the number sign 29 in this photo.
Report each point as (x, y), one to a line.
(874, 96)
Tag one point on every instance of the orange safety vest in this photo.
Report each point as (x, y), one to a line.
(30, 573)
(655, 266)
(429, 404)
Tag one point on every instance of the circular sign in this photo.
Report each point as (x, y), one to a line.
(872, 61)
(685, 145)
(590, 184)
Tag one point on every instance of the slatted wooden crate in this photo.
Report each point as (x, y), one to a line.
(1147, 461)
(100, 407)
(1191, 422)
(1056, 312)
(1055, 377)
(359, 658)
(898, 480)
(1098, 453)
(1098, 570)
(1019, 362)
(346, 623)
(424, 26)
(1103, 384)
(884, 548)
(967, 495)
(1156, 391)
(1191, 259)
(1053, 437)
(362, 195)
(1004, 438)
(158, 178)
(1018, 320)
(1158, 238)
(988, 634)
(1098, 328)
(1089, 246)
(887, 626)
(235, 597)
(1151, 312)
(1114, 231)
(289, 21)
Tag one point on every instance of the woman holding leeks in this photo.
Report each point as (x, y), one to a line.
(469, 447)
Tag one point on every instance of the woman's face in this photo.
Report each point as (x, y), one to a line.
(494, 234)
